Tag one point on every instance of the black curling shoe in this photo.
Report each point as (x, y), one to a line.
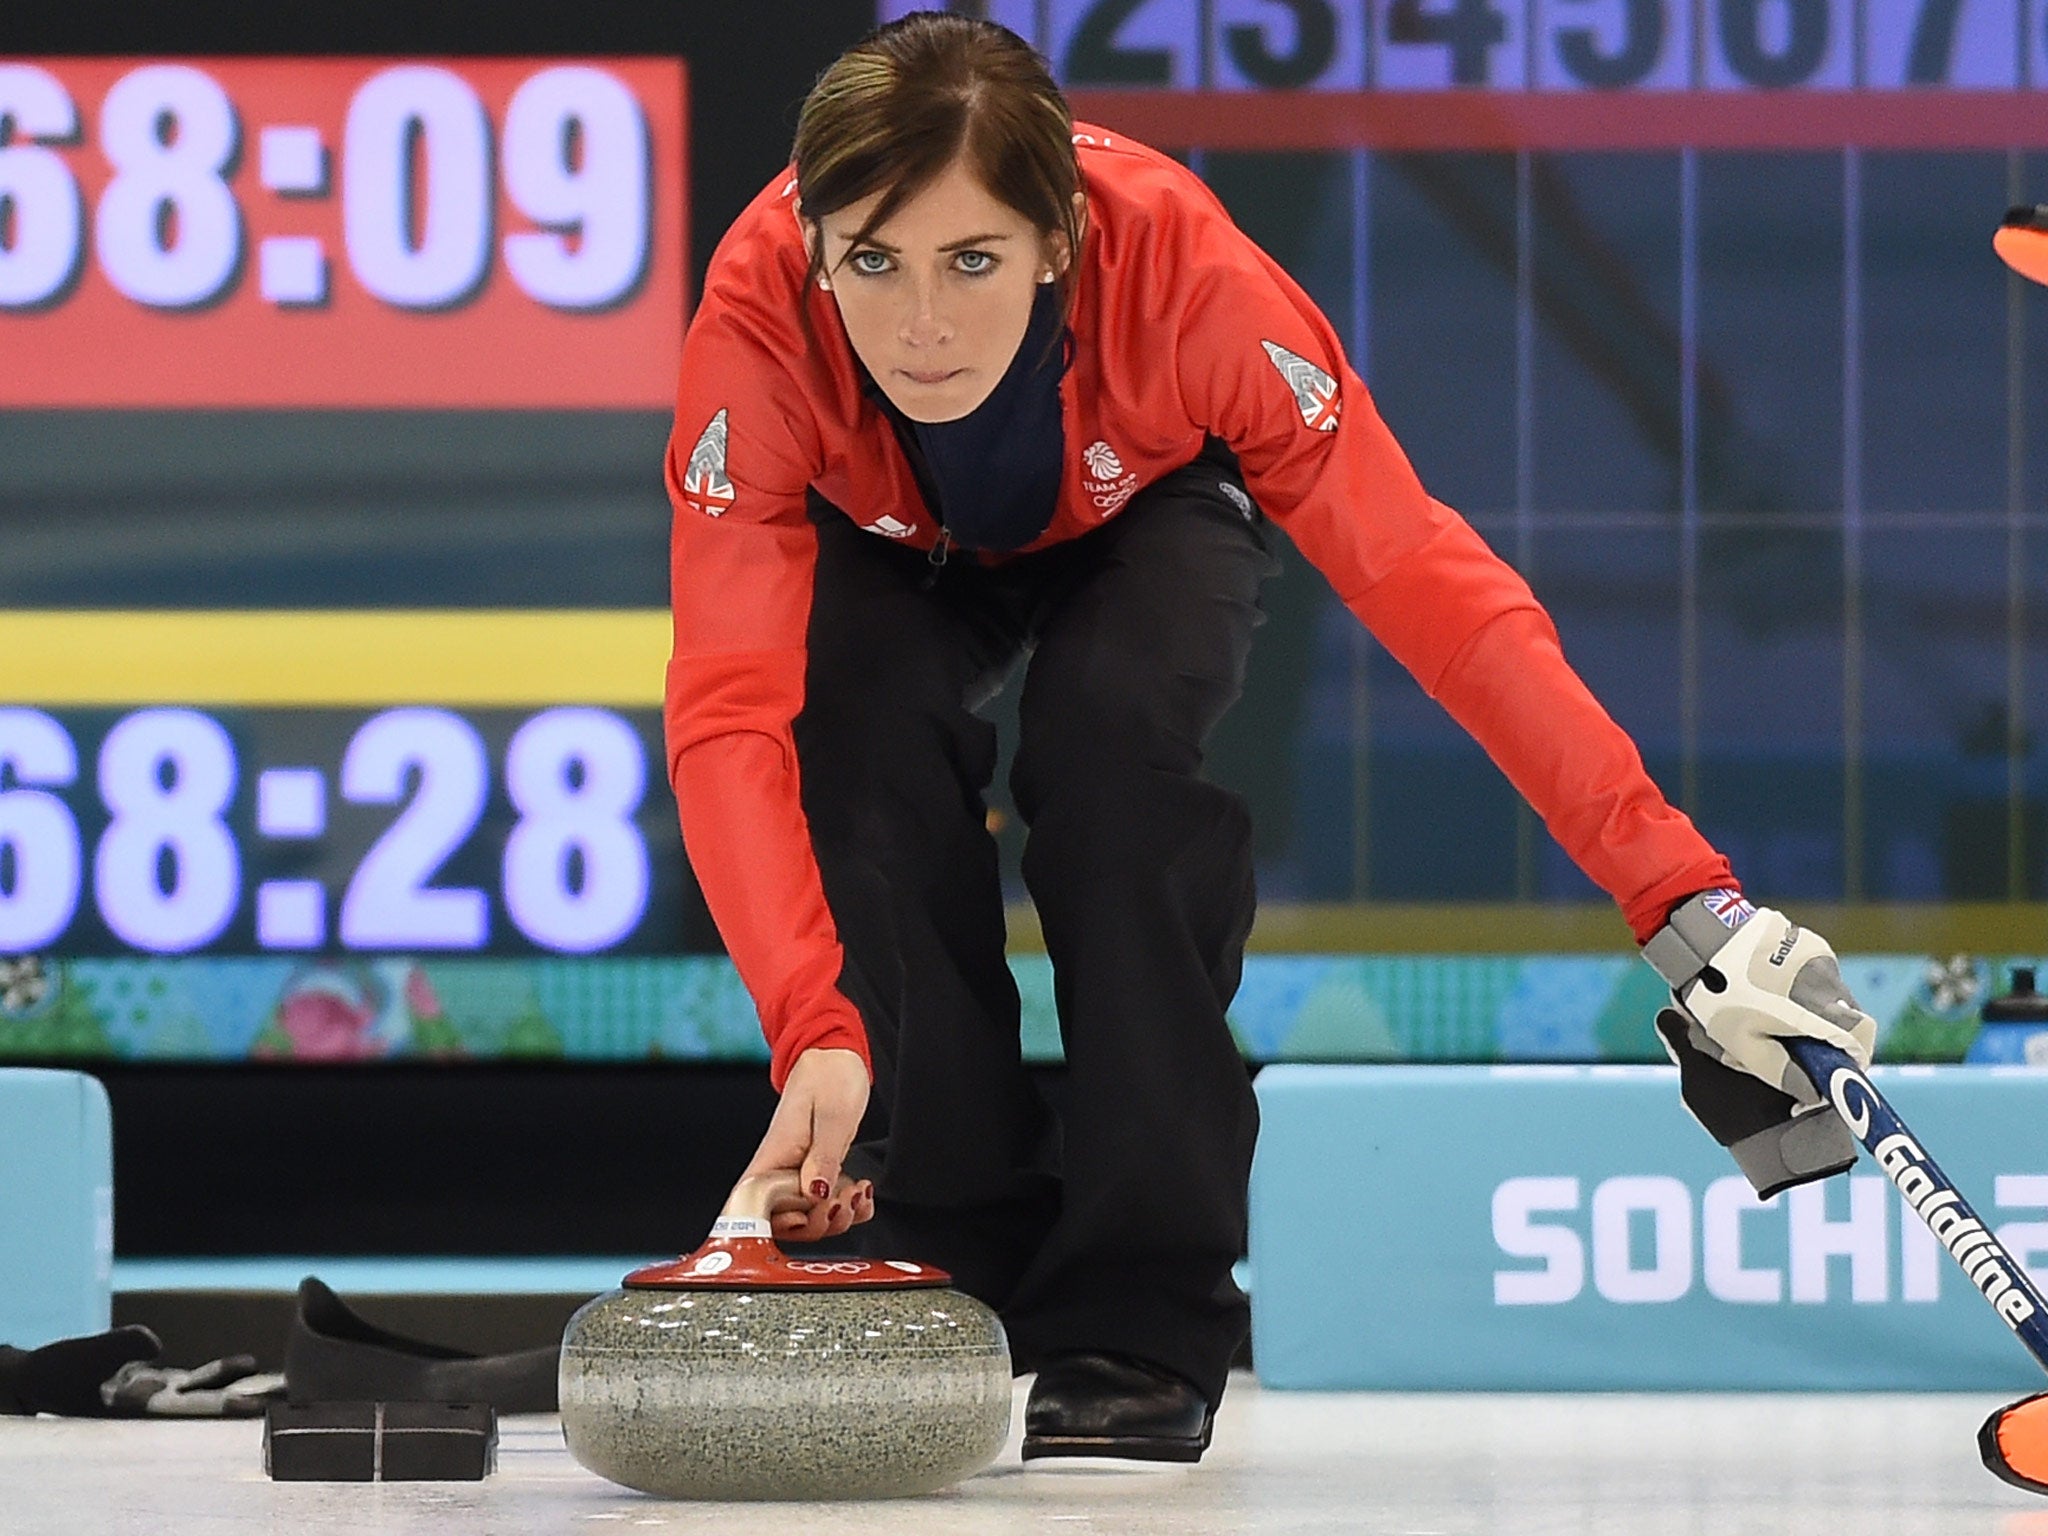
(1112, 1405)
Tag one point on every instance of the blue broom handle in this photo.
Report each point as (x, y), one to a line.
(1928, 1192)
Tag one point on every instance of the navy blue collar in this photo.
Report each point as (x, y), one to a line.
(992, 478)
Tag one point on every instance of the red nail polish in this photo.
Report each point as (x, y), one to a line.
(820, 1189)
(833, 1214)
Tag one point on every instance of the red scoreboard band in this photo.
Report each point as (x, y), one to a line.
(1497, 120)
(341, 233)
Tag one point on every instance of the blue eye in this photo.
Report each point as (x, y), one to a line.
(868, 263)
(974, 263)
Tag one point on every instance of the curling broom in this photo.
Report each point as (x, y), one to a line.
(2014, 1440)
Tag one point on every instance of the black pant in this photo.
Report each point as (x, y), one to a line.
(1112, 1225)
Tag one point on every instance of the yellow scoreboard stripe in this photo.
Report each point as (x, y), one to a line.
(333, 657)
(1596, 928)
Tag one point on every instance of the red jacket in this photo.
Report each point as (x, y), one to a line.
(1183, 328)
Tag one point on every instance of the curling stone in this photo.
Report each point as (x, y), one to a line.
(737, 1372)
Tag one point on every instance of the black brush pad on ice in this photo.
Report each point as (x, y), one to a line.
(380, 1442)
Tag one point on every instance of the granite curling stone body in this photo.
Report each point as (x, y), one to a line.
(739, 1373)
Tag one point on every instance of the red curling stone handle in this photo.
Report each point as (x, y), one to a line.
(741, 1254)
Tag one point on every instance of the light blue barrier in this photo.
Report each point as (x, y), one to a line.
(1571, 1229)
(56, 1206)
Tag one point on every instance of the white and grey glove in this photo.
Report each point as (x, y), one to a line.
(229, 1388)
(1742, 978)
(1746, 977)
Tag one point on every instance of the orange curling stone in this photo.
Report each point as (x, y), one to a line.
(2014, 1442)
(2022, 242)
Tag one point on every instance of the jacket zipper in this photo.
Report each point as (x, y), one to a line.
(936, 558)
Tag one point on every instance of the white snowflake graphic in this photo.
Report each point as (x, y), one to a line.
(24, 982)
(1952, 985)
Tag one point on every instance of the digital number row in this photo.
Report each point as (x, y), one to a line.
(166, 874)
(1535, 44)
(416, 180)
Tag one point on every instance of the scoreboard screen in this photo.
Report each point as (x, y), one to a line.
(332, 394)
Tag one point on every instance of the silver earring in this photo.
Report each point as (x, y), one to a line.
(1046, 277)
(825, 283)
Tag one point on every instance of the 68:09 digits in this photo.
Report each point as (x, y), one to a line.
(418, 163)
(165, 871)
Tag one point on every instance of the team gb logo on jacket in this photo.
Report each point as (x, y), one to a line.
(705, 486)
(1107, 483)
(1315, 392)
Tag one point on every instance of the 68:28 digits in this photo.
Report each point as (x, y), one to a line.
(159, 838)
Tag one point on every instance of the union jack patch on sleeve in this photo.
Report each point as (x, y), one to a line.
(1731, 907)
(1315, 392)
(705, 486)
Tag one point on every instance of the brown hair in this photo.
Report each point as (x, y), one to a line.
(897, 108)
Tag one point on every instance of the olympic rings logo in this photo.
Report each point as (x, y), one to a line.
(821, 1267)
